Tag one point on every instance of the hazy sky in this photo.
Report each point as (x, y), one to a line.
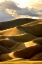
(12, 9)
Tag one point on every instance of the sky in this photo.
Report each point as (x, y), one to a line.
(13, 9)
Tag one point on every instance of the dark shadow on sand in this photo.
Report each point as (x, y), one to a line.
(29, 52)
(13, 23)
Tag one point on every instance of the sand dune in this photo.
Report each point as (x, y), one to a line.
(8, 43)
(21, 40)
(13, 23)
(34, 28)
(12, 32)
(17, 34)
(24, 50)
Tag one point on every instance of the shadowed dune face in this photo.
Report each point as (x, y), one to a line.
(34, 28)
(22, 40)
(37, 57)
(7, 43)
(13, 23)
(38, 40)
(3, 50)
(27, 53)
(23, 37)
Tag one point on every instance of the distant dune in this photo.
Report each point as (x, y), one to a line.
(21, 39)
(13, 23)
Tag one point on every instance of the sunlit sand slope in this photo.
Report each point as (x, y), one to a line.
(17, 34)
